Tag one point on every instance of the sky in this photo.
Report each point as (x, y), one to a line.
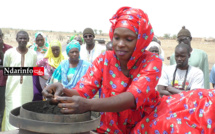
(166, 16)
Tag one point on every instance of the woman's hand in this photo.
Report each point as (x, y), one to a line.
(53, 90)
(73, 105)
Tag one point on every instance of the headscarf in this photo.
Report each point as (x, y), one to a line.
(76, 35)
(154, 44)
(137, 21)
(54, 61)
(42, 49)
(73, 44)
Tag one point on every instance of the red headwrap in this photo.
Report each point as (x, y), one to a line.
(137, 21)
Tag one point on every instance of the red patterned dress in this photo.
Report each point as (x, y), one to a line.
(106, 73)
(190, 112)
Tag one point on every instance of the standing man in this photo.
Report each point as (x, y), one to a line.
(90, 50)
(3, 48)
(181, 76)
(19, 89)
(198, 57)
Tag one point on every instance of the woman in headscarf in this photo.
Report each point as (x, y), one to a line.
(50, 62)
(78, 38)
(154, 47)
(40, 45)
(74, 37)
(127, 77)
(70, 71)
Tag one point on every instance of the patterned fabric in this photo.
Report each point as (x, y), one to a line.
(154, 44)
(105, 73)
(73, 44)
(185, 113)
(54, 61)
(44, 63)
(42, 49)
(137, 21)
(61, 73)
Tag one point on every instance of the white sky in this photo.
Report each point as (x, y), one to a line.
(166, 16)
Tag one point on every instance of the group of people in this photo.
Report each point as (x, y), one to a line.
(66, 69)
(138, 93)
(188, 68)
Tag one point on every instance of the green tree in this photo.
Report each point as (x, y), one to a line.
(95, 30)
(100, 31)
(166, 36)
(174, 36)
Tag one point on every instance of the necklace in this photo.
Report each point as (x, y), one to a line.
(173, 83)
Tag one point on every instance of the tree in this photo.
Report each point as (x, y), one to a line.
(174, 36)
(95, 30)
(100, 31)
(75, 31)
(166, 36)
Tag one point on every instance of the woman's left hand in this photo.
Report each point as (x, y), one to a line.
(73, 105)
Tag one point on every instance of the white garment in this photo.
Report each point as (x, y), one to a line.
(17, 94)
(195, 77)
(39, 56)
(94, 53)
(160, 50)
(162, 54)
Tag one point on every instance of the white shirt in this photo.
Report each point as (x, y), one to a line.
(195, 78)
(94, 53)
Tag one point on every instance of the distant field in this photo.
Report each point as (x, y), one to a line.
(167, 45)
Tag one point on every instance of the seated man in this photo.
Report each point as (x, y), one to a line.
(198, 58)
(181, 76)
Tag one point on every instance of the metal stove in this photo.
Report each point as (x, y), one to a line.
(31, 122)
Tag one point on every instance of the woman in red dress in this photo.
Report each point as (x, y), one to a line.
(127, 77)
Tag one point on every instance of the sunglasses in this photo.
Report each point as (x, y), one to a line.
(183, 39)
(90, 36)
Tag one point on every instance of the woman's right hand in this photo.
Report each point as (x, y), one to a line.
(53, 90)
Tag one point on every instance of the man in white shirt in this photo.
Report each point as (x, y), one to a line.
(90, 50)
(198, 58)
(181, 76)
